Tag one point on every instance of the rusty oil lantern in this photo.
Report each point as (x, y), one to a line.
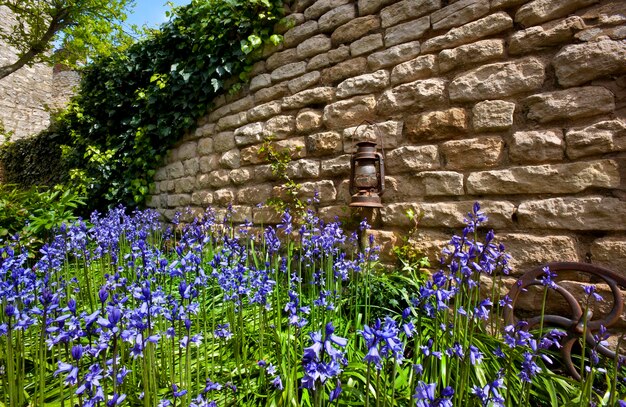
(367, 175)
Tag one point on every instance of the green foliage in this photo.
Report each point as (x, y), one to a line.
(33, 161)
(134, 105)
(411, 259)
(82, 28)
(35, 212)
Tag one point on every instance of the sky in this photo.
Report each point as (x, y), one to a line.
(151, 12)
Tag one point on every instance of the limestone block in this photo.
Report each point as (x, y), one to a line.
(178, 200)
(241, 175)
(448, 214)
(264, 111)
(263, 173)
(570, 104)
(333, 56)
(223, 141)
(470, 32)
(470, 54)
(355, 29)
(313, 46)
(192, 166)
(202, 198)
(294, 146)
(482, 152)
(394, 55)
(175, 170)
(325, 143)
(529, 251)
(336, 167)
(320, 7)
(405, 32)
(205, 146)
(344, 70)
(265, 215)
(260, 81)
(459, 13)
(300, 33)
(363, 84)
(255, 194)
(389, 133)
(224, 197)
(280, 126)
(303, 169)
(411, 159)
(538, 11)
(407, 10)
(540, 37)
(588, 213)
(493, 115)
(349, 112)
(324, 189)
(303, 82)
(161, 174)
(497, 4)
(185, 185)
(288, 71)
(336, 17)
(187, 150)
(232, 121)
(231, 159)
(282, 58)
(366, 44)
(441, 183)
(386, 241)
(437, 125)
(308, 120)
(319, 95)
(208, 163)
(579, 63)
(610, 252)
(271, 93)
(422, 67)
(537, 146)
(498, 80)
(288, 22)
(249, 134)
(599, 138)
(372, 6)
(419, 94)
(241, 104)
(557, 178)
(204, 130)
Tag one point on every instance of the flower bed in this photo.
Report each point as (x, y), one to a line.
(124, 312)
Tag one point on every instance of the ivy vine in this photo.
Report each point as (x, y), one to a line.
(133, 106)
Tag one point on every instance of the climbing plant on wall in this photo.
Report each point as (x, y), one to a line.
(134, 105)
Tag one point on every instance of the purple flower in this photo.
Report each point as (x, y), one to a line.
(547, 279)
(425, 395)
(590, 290)
(334, 394)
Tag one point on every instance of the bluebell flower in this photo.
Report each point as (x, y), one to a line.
(425, 395)
(590, 290)
(547, 279)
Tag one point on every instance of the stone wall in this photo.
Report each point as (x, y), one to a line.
(29, 95)
(517, 104)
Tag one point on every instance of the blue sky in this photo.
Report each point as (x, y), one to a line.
(151, 12)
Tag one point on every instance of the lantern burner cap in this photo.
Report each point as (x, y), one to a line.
(366, 200)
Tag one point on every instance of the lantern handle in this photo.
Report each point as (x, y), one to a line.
(378, 134)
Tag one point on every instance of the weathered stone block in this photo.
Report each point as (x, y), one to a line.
(271, 93)
(599, 138)
(185, 185)
(558, 178)
(570, 104)
(386, 241)
(320, 7)
(202, 198)
(192, 166)
(282, 58)
(610, 252)
(224, 197)
(265, 216)
(394, 55)
(336, 17)
(419, 94)
(459, 13)
(208, 163)
(366, 44)
(313, 46)
(412, 158)
(498, 80)
(205, 146)
(336, 167)
(528, 251)
(308, 120)
(299, 33)
(325, 143)
(249, 134)
(538, 11)
(537, 146)
(303, 82)
(372, 6)
(325, 190)
(178, 200)
(303, 169)
(175, 170)
(349, 112)
(497, 4)
(288, 71)
(441, 183)
(331, 57)
(405, 32)
(470, 32)
(437, 125)
(280, 126)
(344, 70)
(493, 115)
(422, 67)
(579, 63)
(390, 132)
(288, 22)
(537, 38)
(260, 81)
(231, 159)
(253, 195)
(407, 10)
(448, 214)
(264, 111)
(483, 152)
(363, 84)
(187, 150)
(319, 95)
(470, 54)
(232, 121)
(223, 141)
(355, 29)
(589, 213)
(240, 176)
